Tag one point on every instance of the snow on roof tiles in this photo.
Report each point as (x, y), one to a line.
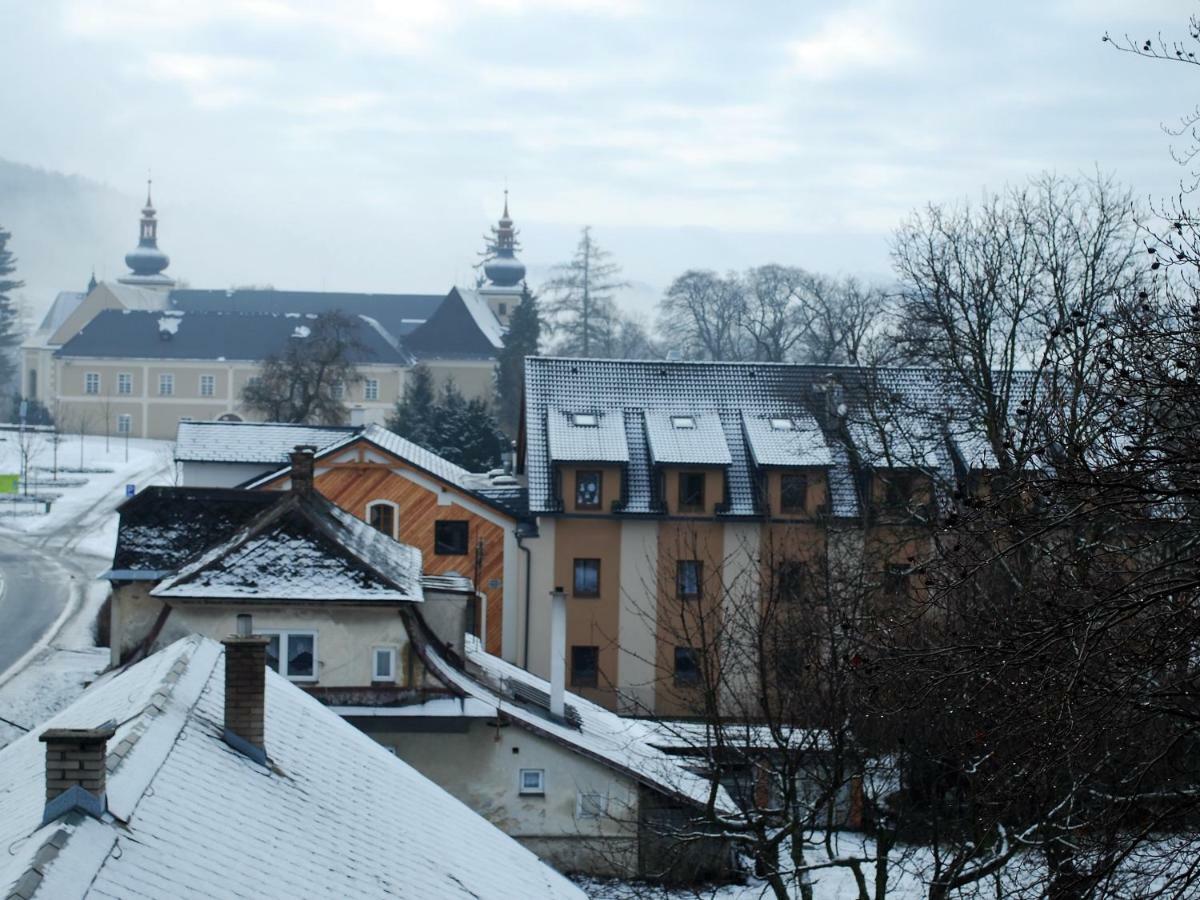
(686, 437)
(792, 439)
(303, 548)
(250, 442)
(335, 814)
(602, 440)
(623, 743)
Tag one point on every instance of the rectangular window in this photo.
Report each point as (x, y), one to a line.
(338, 391)
(791, 579)
(293, 654)
(587, 578)
(782, 424)
(124, 383)
(208, 385)
(382, 517)
(450, 537)
(91, 383)
(504, 309)
(899, 488)
(691, 491)
(684, 422)
(591, 805)
(124, 424)
(895, 579)
(584, 420)
(371, 389)
(585, 666)
(588, 490)
(687, 665)
(166, 385)
(383, 664)
(531, 781)
(688, 575)
(793, 491)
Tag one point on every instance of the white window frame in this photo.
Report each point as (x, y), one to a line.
(683, 423)
(285, 635)
(211, 383)
(539, 791)
(585, 420)
(395, 515)
(90, 379)
(782, 423)
(125, 384)
(166, 380)
(390, 678)
(124, 423)
(371, 389)
(601, 801)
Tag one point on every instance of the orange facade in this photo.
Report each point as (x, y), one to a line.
(357, 478)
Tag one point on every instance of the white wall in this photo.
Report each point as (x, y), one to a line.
(210, 474)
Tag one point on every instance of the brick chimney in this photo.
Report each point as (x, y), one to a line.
(75, 770)
(302, 468)
(245, 690)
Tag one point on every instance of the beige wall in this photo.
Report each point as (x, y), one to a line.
(481, 767)
(610, 487)
(475, 378)
(714, 490)
(592, 621)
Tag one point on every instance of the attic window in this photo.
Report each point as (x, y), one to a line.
(783, 425)
(584, 420)
(683, 422)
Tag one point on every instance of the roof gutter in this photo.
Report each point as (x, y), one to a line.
(528, 571)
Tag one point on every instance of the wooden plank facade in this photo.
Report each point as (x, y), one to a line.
(363, 474)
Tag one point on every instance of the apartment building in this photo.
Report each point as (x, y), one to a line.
(662, 490)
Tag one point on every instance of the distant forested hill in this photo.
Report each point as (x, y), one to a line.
(62, 226)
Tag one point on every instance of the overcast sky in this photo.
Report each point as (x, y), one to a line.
(363, 145)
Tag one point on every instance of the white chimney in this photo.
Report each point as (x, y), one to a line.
(558, 649)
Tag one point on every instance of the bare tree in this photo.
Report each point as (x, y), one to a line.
(702, 314)
(305, 381)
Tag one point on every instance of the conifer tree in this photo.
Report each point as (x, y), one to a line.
(581, 310)
(10, 334)
(445, 422)
(522, 340)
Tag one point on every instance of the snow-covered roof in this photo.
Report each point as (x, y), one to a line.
(250, 442)
(65, 303)
(686, 437)
(302, 549)
(601, 439)
(785, 440)
(334, 814)
(621, 743)
(510, 499)
(732, 405)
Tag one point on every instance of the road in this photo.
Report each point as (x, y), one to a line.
(35, 592)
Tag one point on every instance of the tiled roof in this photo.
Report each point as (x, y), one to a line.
(622, 743)
(686, 437)
(842, 415)
(399, 314)
(250, 442)
(603, 442)
(798, 443)
(140, 334)
(334, 815)
(302, 548)
(462, 327)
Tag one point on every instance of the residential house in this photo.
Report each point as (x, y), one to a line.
(229, 454)
(662, 489)
(196, 773)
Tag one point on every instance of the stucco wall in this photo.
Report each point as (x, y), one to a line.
(207, 474)
(481, 768)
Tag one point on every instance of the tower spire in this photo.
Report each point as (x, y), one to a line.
(146, 261)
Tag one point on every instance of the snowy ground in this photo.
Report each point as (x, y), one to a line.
(79, 535)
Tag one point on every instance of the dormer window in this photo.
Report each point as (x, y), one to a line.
(588, 490)
(683, 422)
(691, 491)
(783, 425)
(584, 420)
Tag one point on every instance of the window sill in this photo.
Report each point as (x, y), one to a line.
(595, 596)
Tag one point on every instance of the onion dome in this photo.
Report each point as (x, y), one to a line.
(503, 269)
(146, 260)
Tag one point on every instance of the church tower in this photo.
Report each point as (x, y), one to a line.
(146, 262)
(504, 273)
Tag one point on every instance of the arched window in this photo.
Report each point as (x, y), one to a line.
(382, 515)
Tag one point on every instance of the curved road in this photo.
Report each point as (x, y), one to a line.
(35, 593)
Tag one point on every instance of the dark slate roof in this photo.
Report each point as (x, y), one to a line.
(162, 527)
(463, 327)
(397, 313)
(302, 548)
(850, 420)
(140, 334)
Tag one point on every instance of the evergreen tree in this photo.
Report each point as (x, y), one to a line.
(522, 340)
(10, 333)
(445, 422)
(581, 310)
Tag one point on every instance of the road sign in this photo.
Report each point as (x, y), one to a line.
(130, 490)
